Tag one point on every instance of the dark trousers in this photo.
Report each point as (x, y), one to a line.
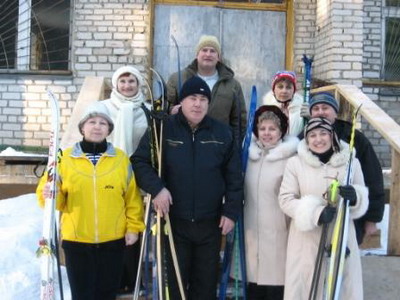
(131, 262)
(197, 246)
(264, 292)
(94, 270)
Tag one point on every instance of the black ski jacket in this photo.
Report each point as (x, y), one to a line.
(372, 172)
(201, 168)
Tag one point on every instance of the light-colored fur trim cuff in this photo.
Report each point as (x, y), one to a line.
(308, 211)
(362, 203)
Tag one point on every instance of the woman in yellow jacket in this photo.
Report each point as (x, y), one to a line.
(101, 207)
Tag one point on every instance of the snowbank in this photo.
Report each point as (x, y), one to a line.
(12, 152)
(20, 231)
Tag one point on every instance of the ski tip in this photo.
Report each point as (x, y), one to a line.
(173, 38)
(306, 59)
(254, 91)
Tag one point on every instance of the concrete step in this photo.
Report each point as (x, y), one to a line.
(381, 277)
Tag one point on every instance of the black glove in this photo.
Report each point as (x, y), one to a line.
(327, 215)
(348, 193)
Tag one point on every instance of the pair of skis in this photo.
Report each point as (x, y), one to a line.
(158, 228)
(338, 244)
(48, 244)
(235, 244)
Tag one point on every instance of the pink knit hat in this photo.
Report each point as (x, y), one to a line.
(289, 75)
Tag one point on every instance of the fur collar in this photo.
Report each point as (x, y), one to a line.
(285, 149)
(337, 159)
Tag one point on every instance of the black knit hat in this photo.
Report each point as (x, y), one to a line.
(195, 85)
(283, 119)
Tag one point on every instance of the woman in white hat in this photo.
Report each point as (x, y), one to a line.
(126, 108)
(101, 207)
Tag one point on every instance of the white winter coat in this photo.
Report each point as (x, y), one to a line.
(266, 226)
(296, 123)
(305, 180)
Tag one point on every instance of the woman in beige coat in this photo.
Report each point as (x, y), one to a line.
(266, 226)
(307, 177)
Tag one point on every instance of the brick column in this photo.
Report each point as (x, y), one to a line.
(339, 40)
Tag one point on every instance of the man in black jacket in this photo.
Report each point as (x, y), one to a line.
(201, 187)
(325, 105)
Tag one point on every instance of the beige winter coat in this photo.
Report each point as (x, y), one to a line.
(305, 181)
(266, 226)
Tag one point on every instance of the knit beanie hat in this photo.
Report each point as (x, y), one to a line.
(263, 111)
(126, 69)
(324, 97)
(195, 85)
(324, 124)
(209, 41)
(288, 75)
(96, 110)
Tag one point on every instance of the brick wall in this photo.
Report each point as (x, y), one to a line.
(338, 38)
(106, 34)
(348, 36)
(335, 28)
(386, 98)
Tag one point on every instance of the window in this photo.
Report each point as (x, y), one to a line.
(391, 38)
(34, 35)
(392, 49)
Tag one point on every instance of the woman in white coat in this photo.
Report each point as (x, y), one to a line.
(283, 95)
(266, 226)
(126, 108)
(307, 177)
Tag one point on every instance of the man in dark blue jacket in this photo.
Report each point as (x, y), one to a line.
(201, 187)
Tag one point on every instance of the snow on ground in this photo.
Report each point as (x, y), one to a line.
(12, 152)
(383, 226)
(20, 231)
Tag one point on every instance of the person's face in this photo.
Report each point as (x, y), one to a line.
(127, 85)
(325, 111)
(268, 133)
(319, 140)
(194, 108)
(207, 58)
(283, 90)
(95, 129)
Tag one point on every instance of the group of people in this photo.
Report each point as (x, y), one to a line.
(202, 188)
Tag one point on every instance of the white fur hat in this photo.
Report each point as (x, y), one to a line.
(126, 69)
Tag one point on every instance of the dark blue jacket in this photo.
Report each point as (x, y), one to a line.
(200, 168)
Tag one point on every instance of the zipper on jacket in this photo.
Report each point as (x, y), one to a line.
(96, 221)
(193, 179)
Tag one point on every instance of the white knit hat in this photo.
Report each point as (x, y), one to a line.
(96, 110)
(126, 69)
(209, 41)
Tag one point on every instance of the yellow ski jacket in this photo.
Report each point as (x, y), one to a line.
(98, 203)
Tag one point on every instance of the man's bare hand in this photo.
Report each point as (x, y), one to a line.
(162, 202)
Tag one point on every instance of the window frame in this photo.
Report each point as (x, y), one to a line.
(388, 12)
(234, 5)
(25, 69)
